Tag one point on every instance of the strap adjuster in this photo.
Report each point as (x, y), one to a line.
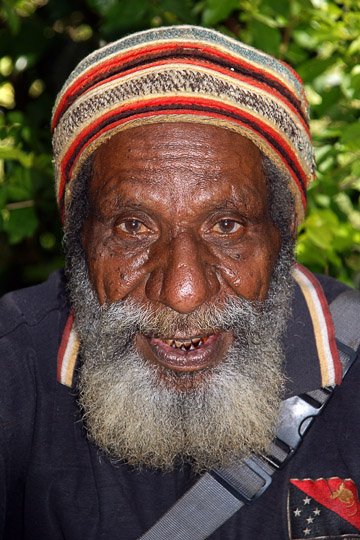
(237, 491)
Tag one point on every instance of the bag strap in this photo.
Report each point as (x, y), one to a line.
(220, 493)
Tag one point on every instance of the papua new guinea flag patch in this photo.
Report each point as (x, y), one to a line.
(323, 508)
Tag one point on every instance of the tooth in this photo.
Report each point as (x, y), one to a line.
(169, 341)
(192, 347)
(196, 341)
(204, 339)
(178, 343)
(182, 348)
(187, 343)
(173, 345)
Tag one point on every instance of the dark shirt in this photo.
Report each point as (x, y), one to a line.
(55, 485)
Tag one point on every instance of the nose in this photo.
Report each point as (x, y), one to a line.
(183, 280)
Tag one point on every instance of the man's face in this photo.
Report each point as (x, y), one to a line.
(181, 340)
(179, 219)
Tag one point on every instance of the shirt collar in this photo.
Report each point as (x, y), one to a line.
(312, 359)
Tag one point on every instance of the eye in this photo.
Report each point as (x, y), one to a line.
(226, 226)
(132, 226)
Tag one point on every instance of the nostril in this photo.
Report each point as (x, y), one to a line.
(182, 279)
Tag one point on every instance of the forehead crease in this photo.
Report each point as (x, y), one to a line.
(142, 197)
(169, 165)
(148, 179)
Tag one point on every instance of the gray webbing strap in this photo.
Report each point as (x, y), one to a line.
(345, 311)
(197, 514)
(218, 495)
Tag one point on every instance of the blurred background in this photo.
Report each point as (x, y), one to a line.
(41, 41)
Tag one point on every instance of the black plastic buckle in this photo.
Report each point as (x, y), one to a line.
(296, 420)
(351, 353)
(273, 460)
(235, 491)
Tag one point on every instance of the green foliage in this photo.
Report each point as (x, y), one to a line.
(42, 40)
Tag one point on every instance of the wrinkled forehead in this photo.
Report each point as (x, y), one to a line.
(184, 162)
(189, 145)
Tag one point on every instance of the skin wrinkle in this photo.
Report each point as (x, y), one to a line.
(186, 206)
(137, 410)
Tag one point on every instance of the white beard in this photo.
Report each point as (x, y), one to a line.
(134, 412)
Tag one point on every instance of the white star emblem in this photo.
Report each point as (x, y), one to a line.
(307, 500)
(297, 512)
(306, 531)
(317, 512)
(310, 519)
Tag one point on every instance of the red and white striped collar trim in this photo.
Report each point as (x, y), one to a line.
(323, 327)
(67, 354)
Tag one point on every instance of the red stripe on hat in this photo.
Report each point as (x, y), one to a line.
(181, 101)
(214, 67)
(146, 51)
(185, 101)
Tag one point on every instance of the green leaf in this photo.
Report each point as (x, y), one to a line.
(11, 16)
(7, 152)
(305, 39)
(279, 7)
(351, 136)
(216, 11)
(180, 8)
(265, 38)
(22, 223)
(16, 193)
(295, 54)
(355, 168)
(354, 46)
(124, 15)
(320, 236)
(309, 255)
(101, 6)
(313, 68)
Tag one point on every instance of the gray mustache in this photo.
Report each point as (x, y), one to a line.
(234, 313)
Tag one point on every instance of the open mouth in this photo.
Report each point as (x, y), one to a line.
(186, 344)
(184, 353)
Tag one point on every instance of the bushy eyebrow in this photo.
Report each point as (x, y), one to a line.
(227, 204)
(121, 201)
(113, 201)
(115, 204)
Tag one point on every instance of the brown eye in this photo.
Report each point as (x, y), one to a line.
(132, 226)
(226, 226)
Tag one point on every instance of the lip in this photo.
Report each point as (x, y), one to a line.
(209, 354)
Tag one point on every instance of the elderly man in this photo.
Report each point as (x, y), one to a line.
(184, 354)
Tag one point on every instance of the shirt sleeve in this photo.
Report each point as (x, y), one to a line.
(17, 412)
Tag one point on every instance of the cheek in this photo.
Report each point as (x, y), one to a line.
(247, 272)
(114, 271)
(123, 275)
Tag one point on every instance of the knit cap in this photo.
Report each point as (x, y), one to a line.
(183, 74)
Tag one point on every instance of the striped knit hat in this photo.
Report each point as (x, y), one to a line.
(188, 74)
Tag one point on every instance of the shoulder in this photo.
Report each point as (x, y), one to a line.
(31, 305)
(331, 287)
(32, 321)
(344, 303)
(31, 325)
